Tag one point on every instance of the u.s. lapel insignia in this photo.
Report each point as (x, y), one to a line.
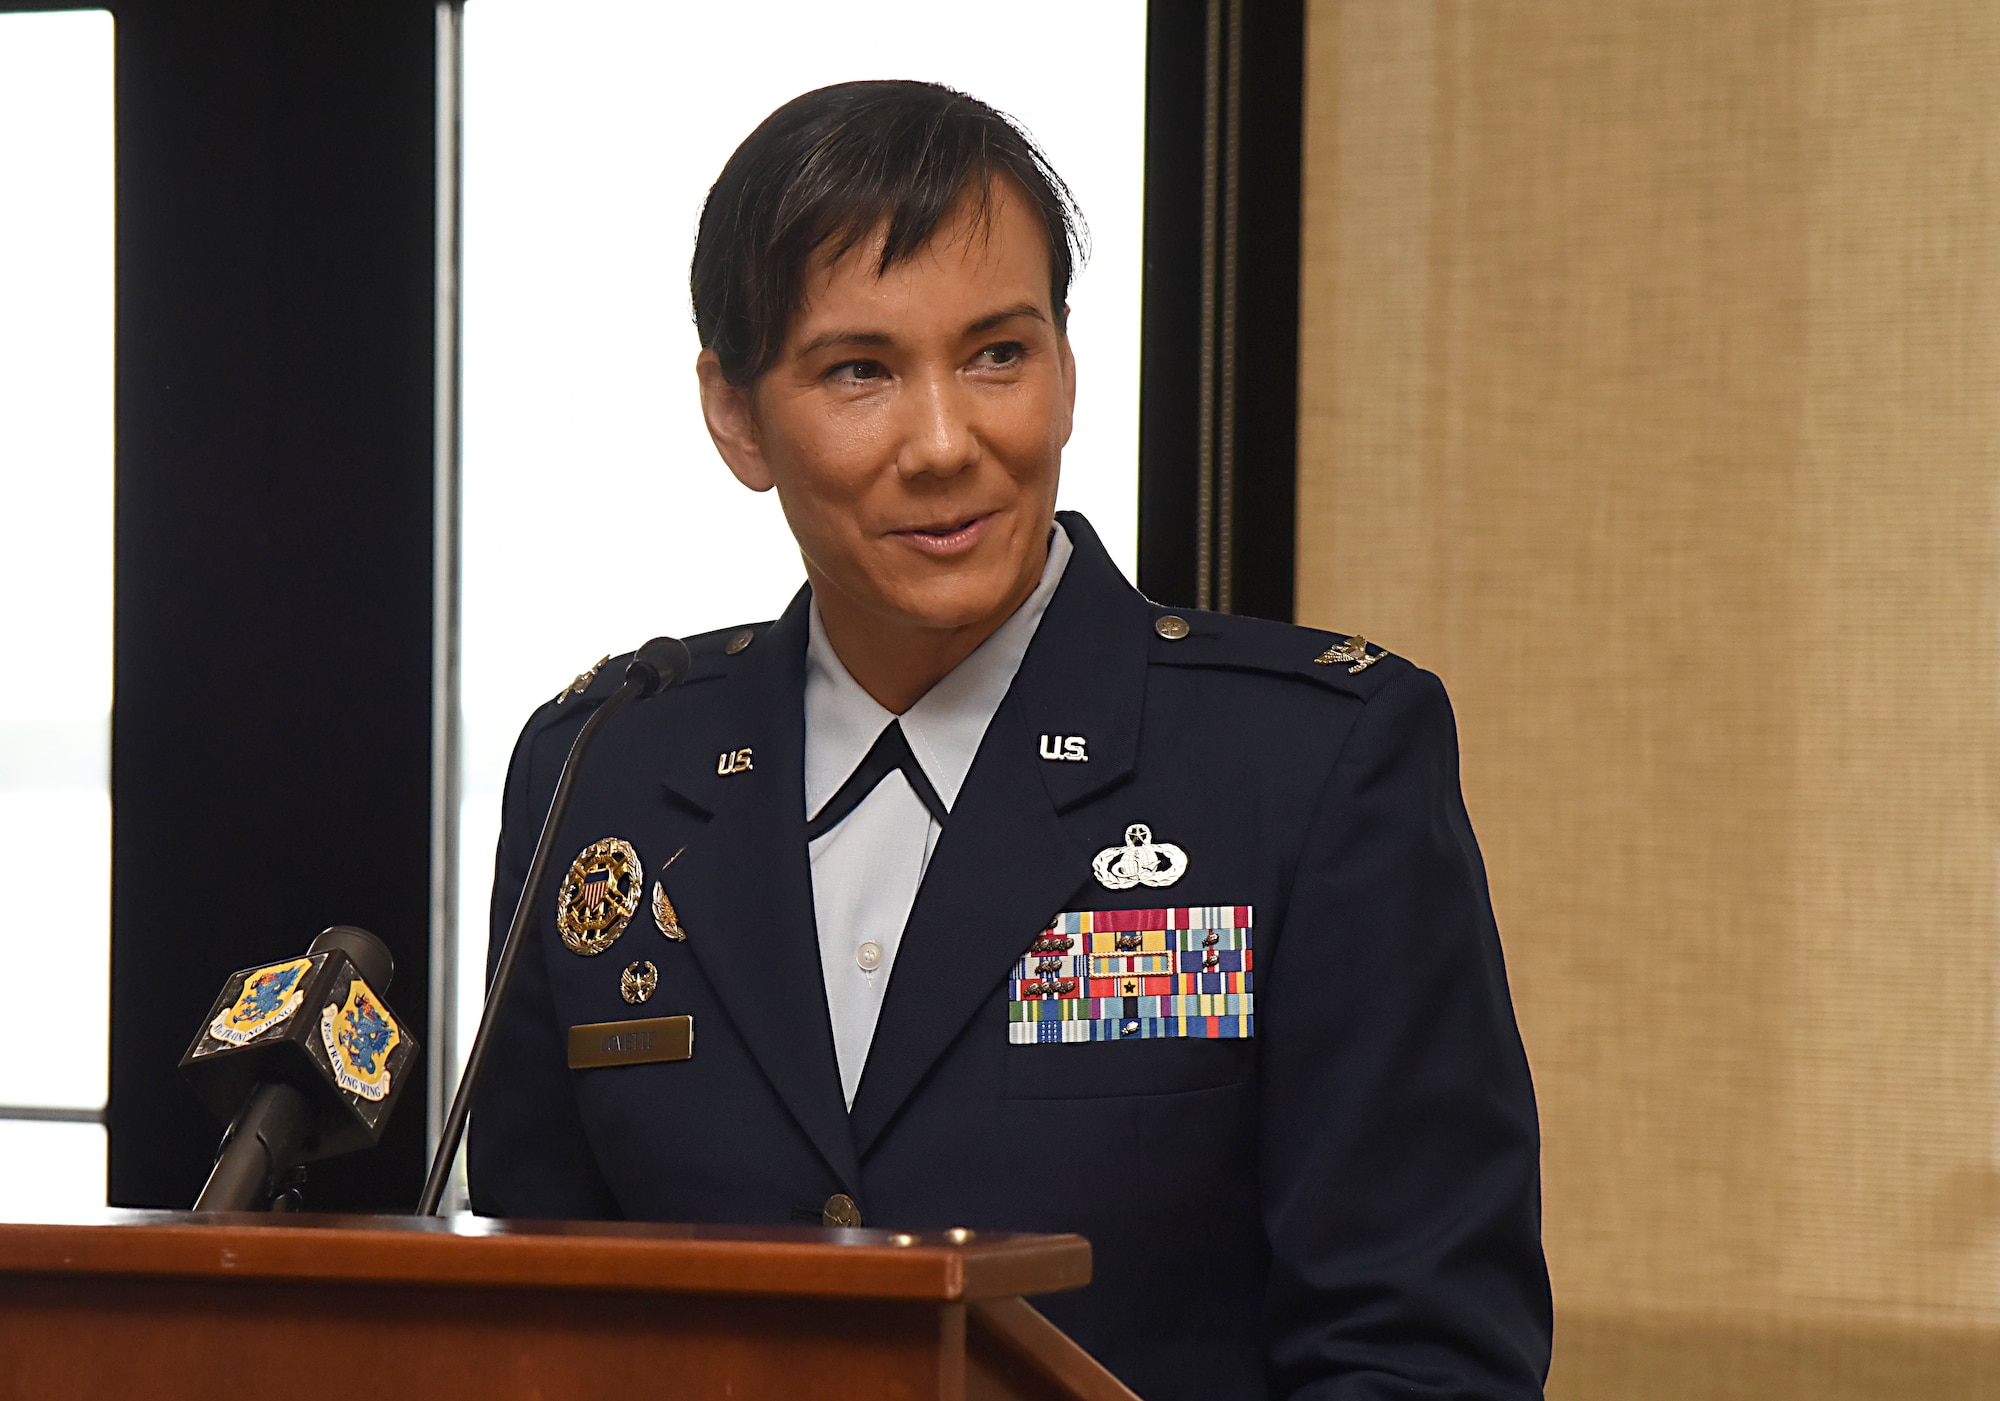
(1354, 650)
(1141, 861)
(583, 680)
(637, 982)
(599, 896)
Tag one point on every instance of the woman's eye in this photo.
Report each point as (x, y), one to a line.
(1005, 353)
(855, 371)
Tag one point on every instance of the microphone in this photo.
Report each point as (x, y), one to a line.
(303, 1059)
(658, 666)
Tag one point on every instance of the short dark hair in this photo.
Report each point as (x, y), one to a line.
(830, 167)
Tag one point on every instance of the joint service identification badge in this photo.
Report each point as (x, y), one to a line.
(269, 998)
(599, 896)
(358, 1036)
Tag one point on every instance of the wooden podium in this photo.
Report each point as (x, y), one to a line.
(171, 1305)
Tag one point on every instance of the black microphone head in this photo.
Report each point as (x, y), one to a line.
(369, 955)
(660, 665)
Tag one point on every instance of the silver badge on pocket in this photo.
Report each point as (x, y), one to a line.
(1141, 861)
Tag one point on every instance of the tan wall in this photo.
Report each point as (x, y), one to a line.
(1650, 394)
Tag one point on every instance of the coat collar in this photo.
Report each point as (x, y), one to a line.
(946, 726)
(743, 887)
(1005, 866)
(1085, 673)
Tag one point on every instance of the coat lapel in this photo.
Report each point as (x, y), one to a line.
(1005, 864)
(743, 888)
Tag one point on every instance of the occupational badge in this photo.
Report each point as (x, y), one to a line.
(269, 998)
(665, 916)
(599, 896)
(1141, 861)
(358, 1035)
(1354, 650)
(1122, 975)
(637, 982)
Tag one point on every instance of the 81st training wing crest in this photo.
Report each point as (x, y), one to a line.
(359, 1035)
(269, 998)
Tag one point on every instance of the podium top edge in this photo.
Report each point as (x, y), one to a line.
(482, 1252)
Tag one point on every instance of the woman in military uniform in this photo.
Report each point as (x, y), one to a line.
(1000, 896)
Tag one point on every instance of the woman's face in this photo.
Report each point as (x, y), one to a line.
(913, 423)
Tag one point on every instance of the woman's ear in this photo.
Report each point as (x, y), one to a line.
(731, 424)
(1067, 360)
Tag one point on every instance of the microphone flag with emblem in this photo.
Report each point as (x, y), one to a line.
(318, 1029)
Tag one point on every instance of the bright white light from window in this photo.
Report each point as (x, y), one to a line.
(596, 510)
(56, 172)
(54, 1171)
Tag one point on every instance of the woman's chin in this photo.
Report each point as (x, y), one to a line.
(949, 605)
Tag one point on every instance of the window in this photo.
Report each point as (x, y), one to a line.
(596, 512)
(56, 288)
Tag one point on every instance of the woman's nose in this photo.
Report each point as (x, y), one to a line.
(938, 438)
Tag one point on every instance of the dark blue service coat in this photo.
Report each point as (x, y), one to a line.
(1344, 1203)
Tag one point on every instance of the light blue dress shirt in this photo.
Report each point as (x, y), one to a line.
(865, 872)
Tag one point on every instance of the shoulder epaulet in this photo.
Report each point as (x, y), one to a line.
(711, 653)
(1340, 662)
(708, 655)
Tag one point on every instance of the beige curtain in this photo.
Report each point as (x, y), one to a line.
(1650, 394)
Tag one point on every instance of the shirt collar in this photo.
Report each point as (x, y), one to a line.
(945, 727)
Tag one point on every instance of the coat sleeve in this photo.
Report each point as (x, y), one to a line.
(1400, 1154)
(526, 1154)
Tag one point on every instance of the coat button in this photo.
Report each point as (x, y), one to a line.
(1171, 626)
(739, 641)
(840, 1210)
(869, 956)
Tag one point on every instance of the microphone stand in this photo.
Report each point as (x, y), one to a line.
(658, 666)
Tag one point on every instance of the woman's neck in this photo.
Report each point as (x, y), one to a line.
(897, 662)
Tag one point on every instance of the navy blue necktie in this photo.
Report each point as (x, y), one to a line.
(890, 752)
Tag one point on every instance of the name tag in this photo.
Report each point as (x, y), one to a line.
(630, 1043)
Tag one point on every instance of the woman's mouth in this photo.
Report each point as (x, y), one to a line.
(946, 538)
